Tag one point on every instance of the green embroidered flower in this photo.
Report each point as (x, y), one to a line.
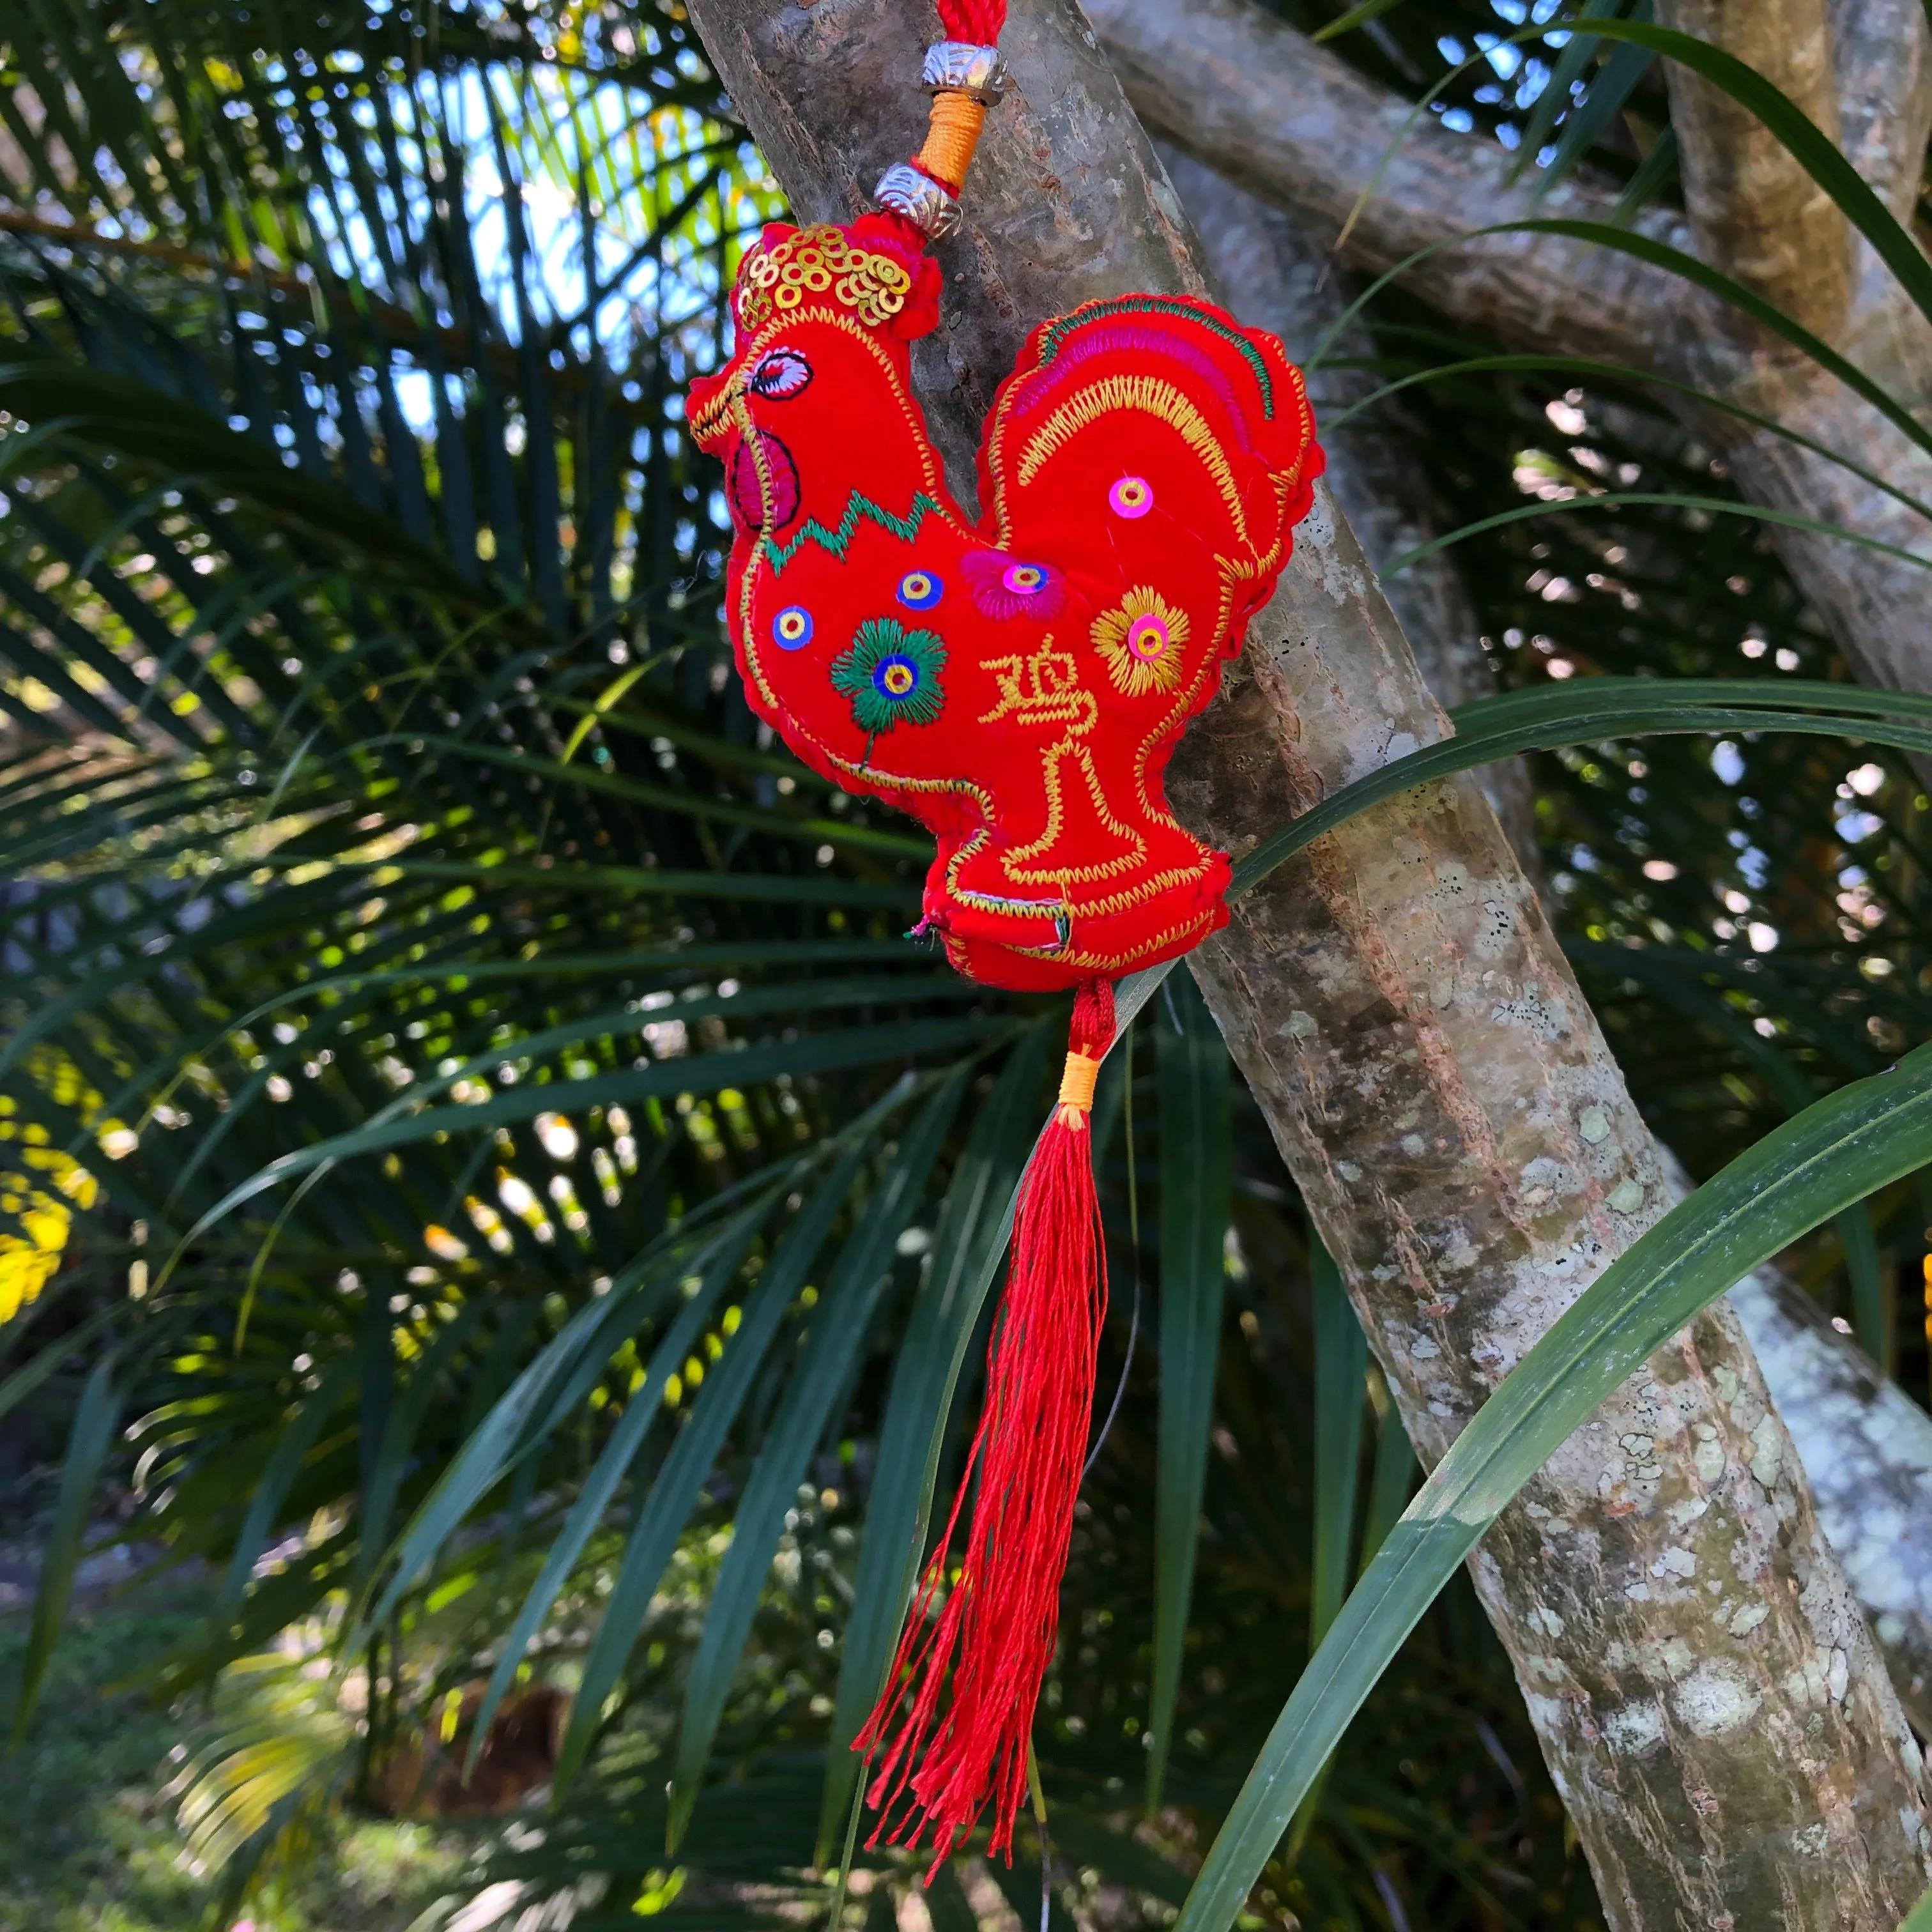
(892, 675)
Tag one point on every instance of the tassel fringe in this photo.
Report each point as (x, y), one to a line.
(996, 1627)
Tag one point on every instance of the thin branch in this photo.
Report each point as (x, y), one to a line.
(1228, 83)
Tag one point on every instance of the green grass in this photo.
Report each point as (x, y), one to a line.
(87, 1838)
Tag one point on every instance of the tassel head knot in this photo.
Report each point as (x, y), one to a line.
(1076, 1089)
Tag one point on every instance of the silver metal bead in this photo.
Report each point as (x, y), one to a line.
(921, 200)
(958, 67)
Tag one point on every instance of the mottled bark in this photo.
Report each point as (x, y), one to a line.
(1882, 58)
(1293, 122)
(1755, 211)
(1705, 1689)
(1258, 101)
(1867, 1449)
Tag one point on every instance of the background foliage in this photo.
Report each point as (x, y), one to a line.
(491, 1200)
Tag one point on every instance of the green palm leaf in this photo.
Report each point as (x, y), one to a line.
(1833, 1154)
(1196, 1183)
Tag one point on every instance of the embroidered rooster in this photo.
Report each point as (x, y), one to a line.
(1015, 684)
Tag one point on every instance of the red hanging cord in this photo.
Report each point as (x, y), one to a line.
(998, 1623)
(978, 21)
(963, 76)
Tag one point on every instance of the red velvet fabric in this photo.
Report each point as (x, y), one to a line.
(1015, 683)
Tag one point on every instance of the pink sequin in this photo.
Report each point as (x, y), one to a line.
(1008, 586)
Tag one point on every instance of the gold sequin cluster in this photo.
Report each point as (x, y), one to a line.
(814, 262)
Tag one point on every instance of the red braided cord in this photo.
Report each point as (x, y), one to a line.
(977, 21)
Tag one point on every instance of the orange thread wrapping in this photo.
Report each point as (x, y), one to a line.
(1076, 1089)
(951, 137)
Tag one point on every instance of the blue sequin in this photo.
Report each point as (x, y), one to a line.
(920, 590)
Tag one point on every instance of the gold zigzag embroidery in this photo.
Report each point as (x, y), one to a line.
(1042, 689)
(1196, 926)
(1151, 396)
(1013, 862)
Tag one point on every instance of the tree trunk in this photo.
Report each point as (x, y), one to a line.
(1866, 1448)
(1260, 102)
(1706, 1692)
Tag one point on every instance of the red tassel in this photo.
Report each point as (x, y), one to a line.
(998, 1624)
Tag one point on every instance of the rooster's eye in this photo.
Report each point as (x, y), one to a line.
(782, 373)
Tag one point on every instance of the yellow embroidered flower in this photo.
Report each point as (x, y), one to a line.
(1142, 638)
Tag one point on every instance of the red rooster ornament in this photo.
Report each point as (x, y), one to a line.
(1016, 684)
